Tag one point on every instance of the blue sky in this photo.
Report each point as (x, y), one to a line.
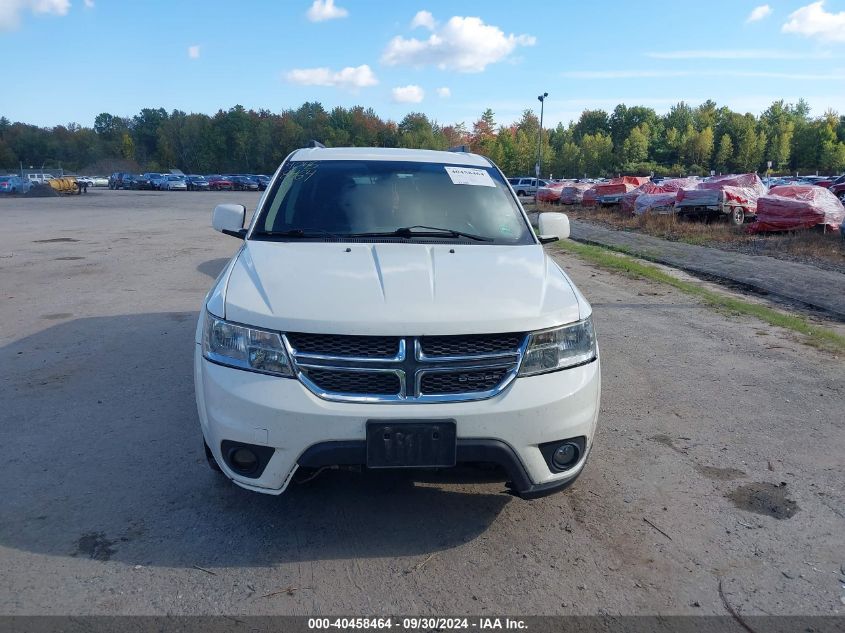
(449, 59)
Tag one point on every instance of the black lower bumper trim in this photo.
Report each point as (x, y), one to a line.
(354, 453)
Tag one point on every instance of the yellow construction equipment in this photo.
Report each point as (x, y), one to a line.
(64, 185)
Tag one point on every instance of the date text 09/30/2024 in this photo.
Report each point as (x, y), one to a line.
(411, 623)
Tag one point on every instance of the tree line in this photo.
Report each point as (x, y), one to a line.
(628, 140)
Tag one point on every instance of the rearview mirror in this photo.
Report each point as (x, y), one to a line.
(229, 219)
(553, 226)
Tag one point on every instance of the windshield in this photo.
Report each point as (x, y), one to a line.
(344, 198)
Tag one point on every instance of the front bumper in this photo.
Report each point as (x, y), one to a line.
(610, 199)
(251, 408)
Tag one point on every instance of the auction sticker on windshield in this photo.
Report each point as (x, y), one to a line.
(467, 176)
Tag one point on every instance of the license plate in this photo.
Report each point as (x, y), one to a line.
(411, 444)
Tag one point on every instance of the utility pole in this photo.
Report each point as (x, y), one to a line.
(542, 99)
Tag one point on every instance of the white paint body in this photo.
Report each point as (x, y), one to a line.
(390, 289)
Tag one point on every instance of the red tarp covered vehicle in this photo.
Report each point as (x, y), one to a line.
(661, 202)
(550, 192)
(732, 195)
(671, 185)
(573, 193)
(589, 197)
(611, 192)
(791, 207)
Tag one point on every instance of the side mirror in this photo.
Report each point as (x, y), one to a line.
(553, 227)
(229, 219)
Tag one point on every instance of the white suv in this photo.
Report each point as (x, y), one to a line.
(527, 186)
(393, 308)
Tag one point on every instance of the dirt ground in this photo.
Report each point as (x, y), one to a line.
(719, 458)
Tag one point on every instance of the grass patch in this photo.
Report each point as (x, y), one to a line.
(813, 335)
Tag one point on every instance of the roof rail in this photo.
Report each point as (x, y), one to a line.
(459, 148)
(313, 143)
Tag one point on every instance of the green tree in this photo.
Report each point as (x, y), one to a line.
(570, 161)
(597, 153)
(127, 147)
(591, 122)
(699, 147)
(484, 133)
(724, 155)
(416, 131)
(635, 147)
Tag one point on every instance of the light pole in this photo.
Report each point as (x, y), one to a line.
(542, 99)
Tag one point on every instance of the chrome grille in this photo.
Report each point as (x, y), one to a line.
(444, 382)
(354, 346)
(355, 382)
(406, 369)
(470, 344)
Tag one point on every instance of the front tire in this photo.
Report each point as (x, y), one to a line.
(212, 462)
(737, 216)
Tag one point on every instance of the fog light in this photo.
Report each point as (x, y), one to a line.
(565, 455)
(243, 460)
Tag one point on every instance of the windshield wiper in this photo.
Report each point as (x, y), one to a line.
(298, 233)
(408, 232)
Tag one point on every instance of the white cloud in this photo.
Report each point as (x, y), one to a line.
(748, 53)
(10, 10)
(89, 4)
(444, 92)
(465, 44)
(349, 78)
(814, 22)
(423, 19)
(758, 13)
(323, 10)
(194, 51)
(408, 94)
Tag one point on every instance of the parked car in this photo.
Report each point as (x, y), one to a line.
(145, 181)
(499, 365)
(526, 186)
(219, 183)
(196, 182)
(14, 184)
(39, 179)
(794, 207)
(132, 181)
(116, 180)
(86, 181)
(172, 182)
(243, 183)
(262, 180)
(156, 179)
(838, 188)
(732, 196)
(550, 193)
(610, 193)
(100, 181)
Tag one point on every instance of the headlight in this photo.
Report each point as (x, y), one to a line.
(244, 347)
(550, 350)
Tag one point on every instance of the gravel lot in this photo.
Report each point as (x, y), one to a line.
(719, 459)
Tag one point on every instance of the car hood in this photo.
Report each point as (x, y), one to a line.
(397, 289)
